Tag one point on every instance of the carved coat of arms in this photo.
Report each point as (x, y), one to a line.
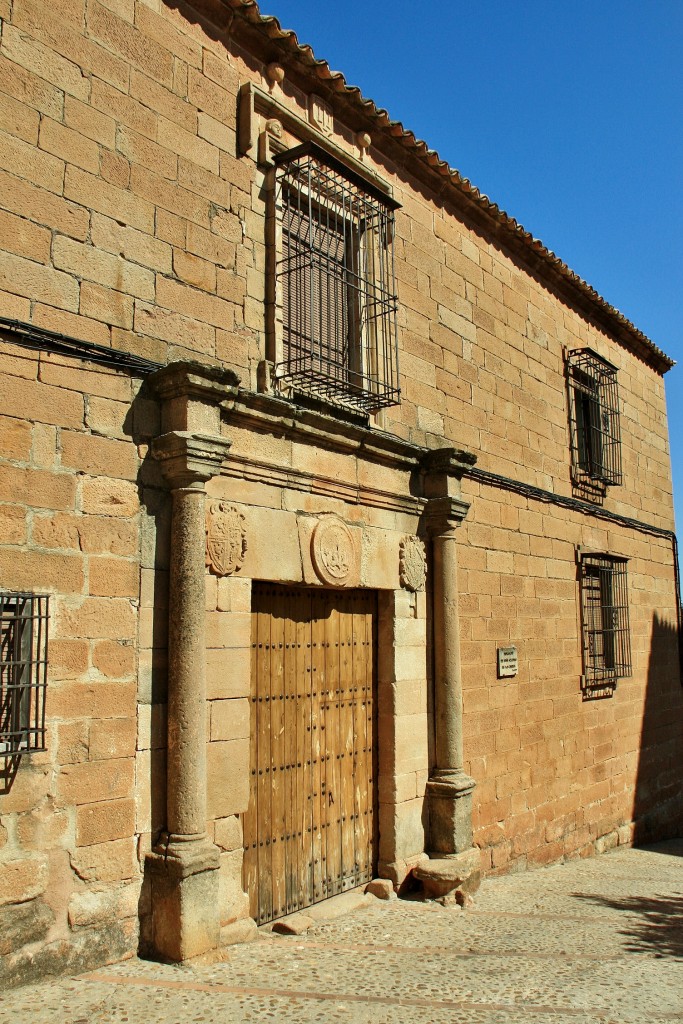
(332, 551)
(412, 563)
(226, 538)
(320, 114)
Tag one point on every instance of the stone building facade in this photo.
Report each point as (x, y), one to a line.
(336, 511)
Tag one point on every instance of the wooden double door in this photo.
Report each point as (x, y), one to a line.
(309, 832)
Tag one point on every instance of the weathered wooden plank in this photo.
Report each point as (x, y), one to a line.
(346, 731)
(250, 818)
(371, 730)
(304, 786)
(318, 748)
(263, 739)
(361, 764)
(277, 752)
(291, 772)
(333, 803)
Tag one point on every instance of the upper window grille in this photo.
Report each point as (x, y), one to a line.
(335, 286)
(604, 620)
(594, 418)
(23, 675)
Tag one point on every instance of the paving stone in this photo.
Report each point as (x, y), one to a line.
(294, 924)
(589, 942)
(382, 888)
(337, 906)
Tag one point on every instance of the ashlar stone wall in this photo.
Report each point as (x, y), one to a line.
(73, 528)
(132, 219)
(557, 773)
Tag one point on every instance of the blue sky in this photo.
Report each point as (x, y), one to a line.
(569, 116)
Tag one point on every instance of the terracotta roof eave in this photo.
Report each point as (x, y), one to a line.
(544, 262)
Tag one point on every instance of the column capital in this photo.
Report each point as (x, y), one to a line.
(188, 459)
(444, 515)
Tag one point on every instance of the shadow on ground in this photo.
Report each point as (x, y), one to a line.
(654, 924)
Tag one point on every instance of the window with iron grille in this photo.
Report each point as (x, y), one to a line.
(604, 619)
(23, 676)
(335, 287)
(594, 418)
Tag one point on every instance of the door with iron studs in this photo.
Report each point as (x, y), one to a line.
(310, 830)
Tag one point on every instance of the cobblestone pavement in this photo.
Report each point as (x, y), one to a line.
(598, 940)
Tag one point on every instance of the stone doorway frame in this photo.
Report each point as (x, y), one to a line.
(203, 412)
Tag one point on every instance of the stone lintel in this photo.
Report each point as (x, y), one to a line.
(322, 426)
(188, 459)
(442, 471)
(445, 514)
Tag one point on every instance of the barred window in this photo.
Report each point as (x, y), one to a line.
(604, 619)
(335, 287)
(594, 418)
(23, 676)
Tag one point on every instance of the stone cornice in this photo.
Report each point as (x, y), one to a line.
(284, 418)
(186, 386)
(253, 100)
(452, 462)
(442, 472)
(194, 380)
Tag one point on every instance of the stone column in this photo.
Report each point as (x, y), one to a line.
(449, 788)
(184, 866)
(454, 863)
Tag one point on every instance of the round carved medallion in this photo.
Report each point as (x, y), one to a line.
(226, 538)
(332, 551)
(412, 563)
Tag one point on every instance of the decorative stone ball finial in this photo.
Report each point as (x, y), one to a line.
(275, 73)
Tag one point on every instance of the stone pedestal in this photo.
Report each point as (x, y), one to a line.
(184, 876)
(450, 811)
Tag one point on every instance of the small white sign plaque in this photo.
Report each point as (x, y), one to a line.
(507, 662)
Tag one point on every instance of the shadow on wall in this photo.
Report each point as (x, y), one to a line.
(658, 796)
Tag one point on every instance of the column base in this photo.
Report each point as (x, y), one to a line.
(451, 879)
(449, 796)
(184, 874)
